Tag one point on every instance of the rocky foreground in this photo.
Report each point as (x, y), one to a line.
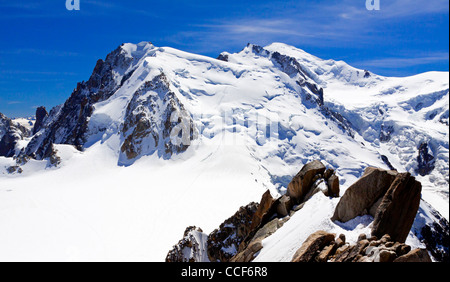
(390, 197)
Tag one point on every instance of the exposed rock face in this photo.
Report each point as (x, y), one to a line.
(10, 134)
(333, 186)
(153, 115)
(302, 182)
(248, 251)
(363, 196)
(397, 211)
(386, 132)
(434, 232)
(418, 255)
(41, 115)
(68, 123)
(240, 237)
(223, 57)
(425, 160)
(192, 248)
(323, 247)
(264, 206)
(437, 239)
(392, 198)
(223, 243)
(315, 243)
(3, 123)
(14, 169)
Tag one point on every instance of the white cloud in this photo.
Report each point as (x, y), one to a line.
(404, 62)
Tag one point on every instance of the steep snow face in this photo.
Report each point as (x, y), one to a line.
(396, 116)
(168, 139)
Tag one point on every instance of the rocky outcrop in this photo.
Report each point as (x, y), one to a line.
(10, 134)
(425, 160)
(223, 243)
(333, 186)
(191, 248)
(223, 57)
(386, 132)
(364, 196)
(433, 232)
(303, 181)
(41, 115)
(313, 247)
(154, 120)
(418, 255)
(247, 251)
(68, 123)
(396, 213)
(264, 208)
(219, 246)
(392, 198)
(322, 246)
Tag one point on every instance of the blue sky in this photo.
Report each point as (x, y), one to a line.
(46, 49)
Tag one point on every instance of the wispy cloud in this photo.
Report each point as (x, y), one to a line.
(404, 62)
(14, 102)
(108, 7)
(324, 23)
(43, 73)
(40, 52)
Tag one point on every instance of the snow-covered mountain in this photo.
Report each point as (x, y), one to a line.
(159, 139)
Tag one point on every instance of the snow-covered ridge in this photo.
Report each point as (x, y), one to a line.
(253, 118)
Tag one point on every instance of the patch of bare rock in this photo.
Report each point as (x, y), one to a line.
(391, 198)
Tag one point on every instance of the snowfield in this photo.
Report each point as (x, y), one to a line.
(257, 126)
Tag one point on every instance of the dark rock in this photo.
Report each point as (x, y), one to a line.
(326, 253)
(435, 235)
(68, 123)
(398, 209)
(418, 255)
(387, 162)
(302, 182)
(284, 206)
(223, 243)
(333, 186)
(386, 132)
(362, 237)
(387, 256)
(14, 169)
(328, 173)
(340, 241)
(425, 160)
(263, 208)
(190, 248)
(41, 115)
(8, 143)
(10, 134)
(314, 243)
(223, 57)
(248, 251)
(150, 122)
(351, 253)
(363, 194)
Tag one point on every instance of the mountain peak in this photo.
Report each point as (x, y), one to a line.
(138, 50)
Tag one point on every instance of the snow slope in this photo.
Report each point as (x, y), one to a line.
(259, 120)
